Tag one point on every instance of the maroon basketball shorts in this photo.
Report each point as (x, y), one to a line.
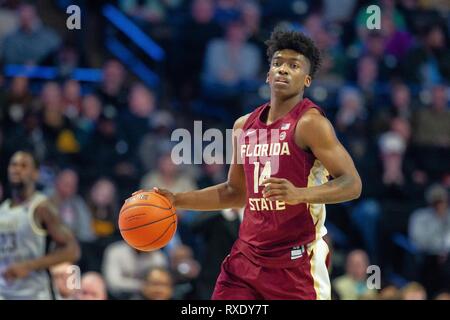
(242, 279)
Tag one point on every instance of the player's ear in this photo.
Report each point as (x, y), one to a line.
(268, 77)
(308, 80)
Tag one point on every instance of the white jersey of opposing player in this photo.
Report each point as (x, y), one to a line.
(22, 239)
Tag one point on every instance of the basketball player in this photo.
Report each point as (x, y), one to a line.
(27, 226)
(284, 152)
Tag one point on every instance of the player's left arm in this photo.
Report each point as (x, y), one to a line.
(67, 249)
(315, 132)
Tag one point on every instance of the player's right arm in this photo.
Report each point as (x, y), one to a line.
(230, 194)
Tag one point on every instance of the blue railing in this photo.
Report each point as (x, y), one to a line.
(133, 32)
(49, 73)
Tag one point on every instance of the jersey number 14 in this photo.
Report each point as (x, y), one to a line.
(257, 178)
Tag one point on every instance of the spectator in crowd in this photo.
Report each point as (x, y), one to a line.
(429, 231)
(431, 134)
(397, 42)
(401, 101)
(194, 36)
(125, 267)
(442, 296)
(16, 103)
(338, 12)
(102, 152)
(350, 122)
(429, 227)
(367, 78)
(230, 63)
(391, 191)
(219, 231)
(432, 124)
(156, 17)
(429, 58)
(167, 176)
(73, 209)
(251, 16)
(92, 287)
(413, 291)
(163, 123)
(185, 270)
(133, 124)
(57, 128)
(67, 59)
(64, 281)
(9, 21)
(112, 90)
(375, 47)
(87, 121)
(149, 11)
(399, 106)
(158, 285)
(313, 24)
(389, 293)
(211, 174)
(226, 11)
(72, 98)
(392, 147)
(352, 285)
(28, 136)
(103, 204)
(333, 64)
(401, 127)
(397, 167)
(32, 42)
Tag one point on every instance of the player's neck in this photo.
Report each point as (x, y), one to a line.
(21, 194)
(279, 106)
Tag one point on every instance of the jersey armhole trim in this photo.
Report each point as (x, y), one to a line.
(34, 225)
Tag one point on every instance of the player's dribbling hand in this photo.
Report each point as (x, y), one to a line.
(166, 193)
(280, 189)
(17, 271)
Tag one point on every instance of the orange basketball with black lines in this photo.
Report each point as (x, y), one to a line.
(147, 221)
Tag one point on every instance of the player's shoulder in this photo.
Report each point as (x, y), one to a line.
(240, 122)
(4, 204)
(45, 206)
(313, 126)
(311, 119)
(311, 114)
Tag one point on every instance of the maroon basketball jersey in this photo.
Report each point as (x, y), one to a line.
(273, 233)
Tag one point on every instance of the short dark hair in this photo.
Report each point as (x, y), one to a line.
(284, 39)
(162, 269)
(32, 155)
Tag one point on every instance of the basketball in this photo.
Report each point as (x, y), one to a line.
(147, 221)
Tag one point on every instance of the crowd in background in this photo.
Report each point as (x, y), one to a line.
(386, 92)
